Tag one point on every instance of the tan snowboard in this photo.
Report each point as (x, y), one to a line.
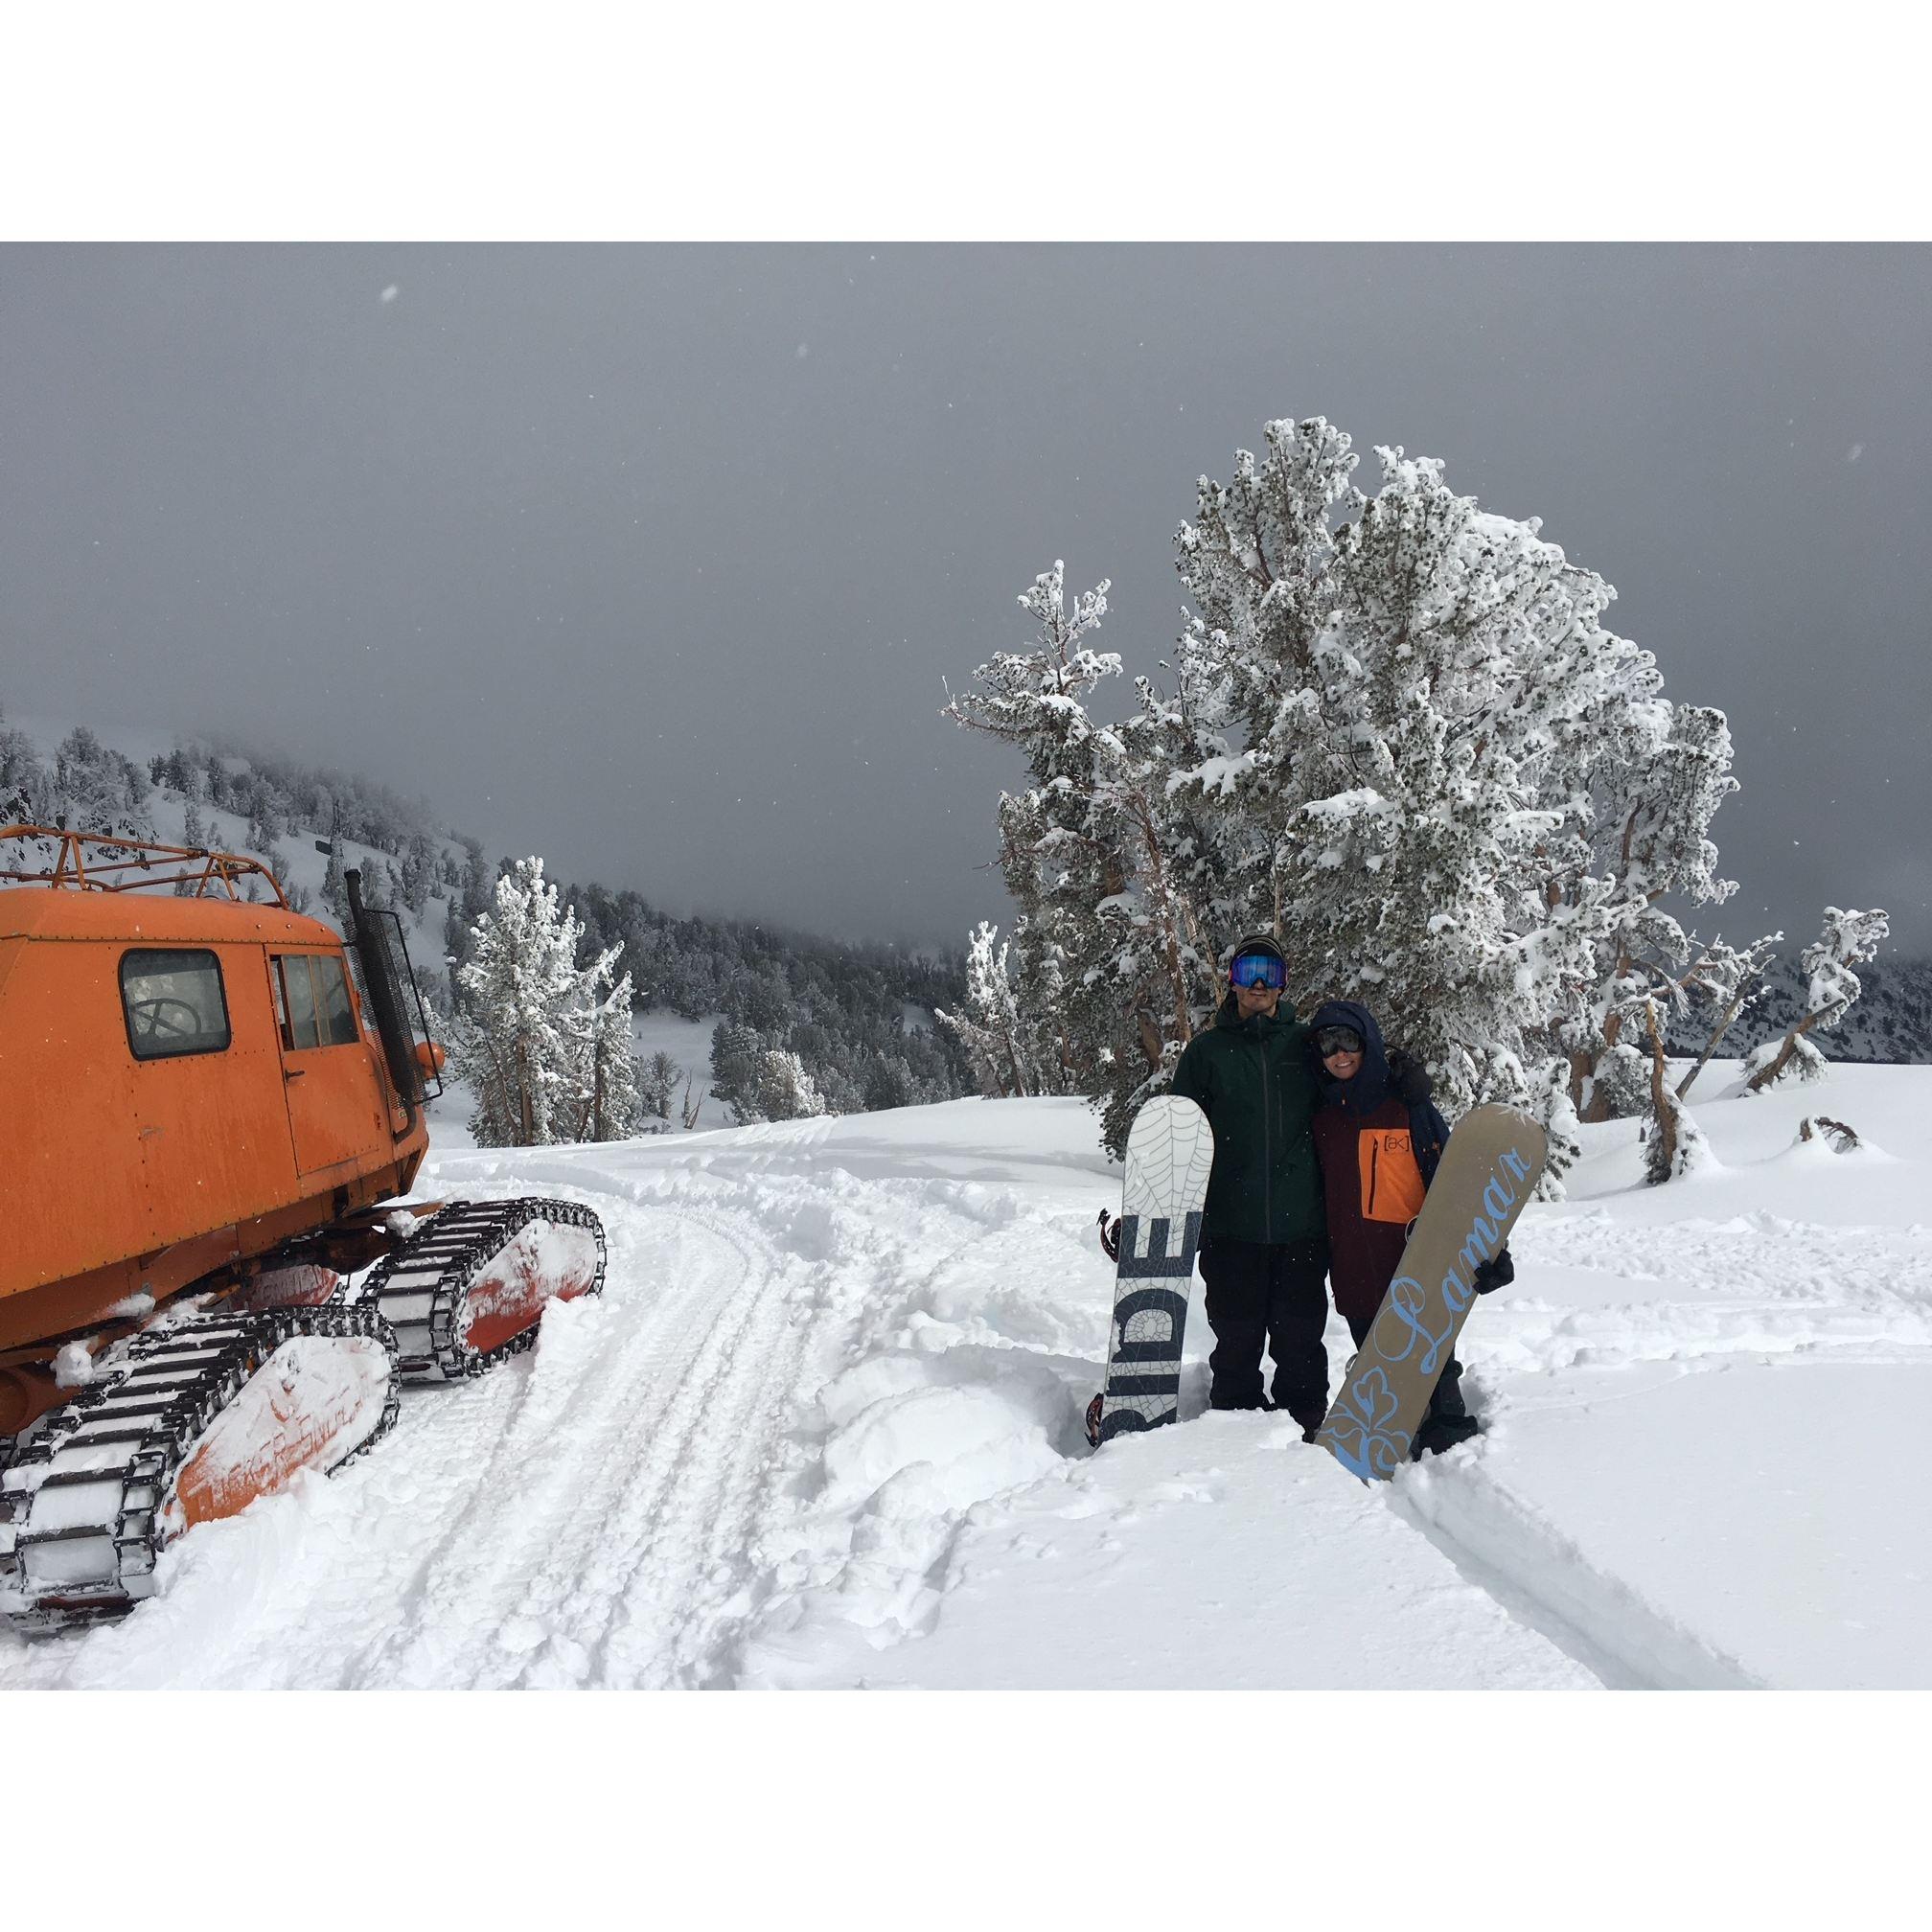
(1488, 1170)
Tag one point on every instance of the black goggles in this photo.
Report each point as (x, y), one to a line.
(1337, 1040)
(1258, 968)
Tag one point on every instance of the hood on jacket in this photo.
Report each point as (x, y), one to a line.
(1369, 1087)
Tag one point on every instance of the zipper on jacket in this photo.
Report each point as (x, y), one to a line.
(1266, 1146)
(1375, 1171)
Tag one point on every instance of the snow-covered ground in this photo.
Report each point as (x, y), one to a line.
(822, 1429)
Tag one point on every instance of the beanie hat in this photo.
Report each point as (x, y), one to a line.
(1259, 942)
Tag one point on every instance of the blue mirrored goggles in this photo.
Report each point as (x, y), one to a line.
(1258, 968)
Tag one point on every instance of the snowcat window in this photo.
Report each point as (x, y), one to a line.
(173, 1003)
(298, 1025)
(312, 1001)
(334, 1015)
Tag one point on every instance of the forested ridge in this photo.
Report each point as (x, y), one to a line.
(855, 1015)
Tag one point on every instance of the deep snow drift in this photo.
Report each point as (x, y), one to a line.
(824, 1429)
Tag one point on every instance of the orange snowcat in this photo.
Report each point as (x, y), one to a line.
(202, 1115)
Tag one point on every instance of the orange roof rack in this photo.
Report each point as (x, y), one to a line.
(101, 862)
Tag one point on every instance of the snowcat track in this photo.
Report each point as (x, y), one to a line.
(420, 1289)
(135, 1427)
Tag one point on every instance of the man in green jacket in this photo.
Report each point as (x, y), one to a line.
(1264, 1251)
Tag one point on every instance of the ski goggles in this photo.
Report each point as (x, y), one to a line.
(1258, 968)
(1337, 1040)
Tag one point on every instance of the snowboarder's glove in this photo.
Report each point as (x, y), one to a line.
(1410, 1079)
(1493, 1274)
(1110, 1236)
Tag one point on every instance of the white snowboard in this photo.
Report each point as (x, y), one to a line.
(1170, 1152)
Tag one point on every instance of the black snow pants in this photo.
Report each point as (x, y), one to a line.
(1276, 1292)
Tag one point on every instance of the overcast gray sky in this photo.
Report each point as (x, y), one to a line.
(653, 559)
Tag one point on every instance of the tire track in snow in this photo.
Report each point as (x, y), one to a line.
(524, 1585)
(656, 1582)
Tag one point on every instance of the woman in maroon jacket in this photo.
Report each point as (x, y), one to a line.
(1378, 1155)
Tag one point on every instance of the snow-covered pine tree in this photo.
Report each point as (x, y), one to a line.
(1056, 861)
(25, 798)
(785, 1089)
(25, 788)
(1552, 1106)
(1847, 939)
(97, 789)
(735, 1053)
(335, 898)
(1159, 981)
(514, 1040)
(1731, 994)
(1410, 694)
(1448, 788)
(660, 1083)
(605, 1070)
(1658, 779)
(1403, 741)
(419, 873)
(1099, 855)
(194, 835)
(990, 1028)
(264, 829)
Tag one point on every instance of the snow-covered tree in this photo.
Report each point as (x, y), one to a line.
(658, 1084)
(1426, 721)
(538, 1036)
(1847, 939)
(785, 1090)
(605, 1069)
(1552, 1107)
(735, 1053)
(420, 874)
(193, 833)
(760, 1080)
(97, 789)
(335, 898)
(1673, 1142)
(1731, 994)
(1096, 855)
(25, 788)
(263, 827)
(990, 1028)
(1402, 740)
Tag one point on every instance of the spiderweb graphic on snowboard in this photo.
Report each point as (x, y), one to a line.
(1170, 1152)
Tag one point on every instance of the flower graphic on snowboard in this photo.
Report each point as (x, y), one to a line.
(1356, 1428)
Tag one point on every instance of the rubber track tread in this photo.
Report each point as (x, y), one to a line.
(183, 1376)
(459, 1241)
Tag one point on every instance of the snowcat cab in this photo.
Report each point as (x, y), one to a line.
(205, 1101)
